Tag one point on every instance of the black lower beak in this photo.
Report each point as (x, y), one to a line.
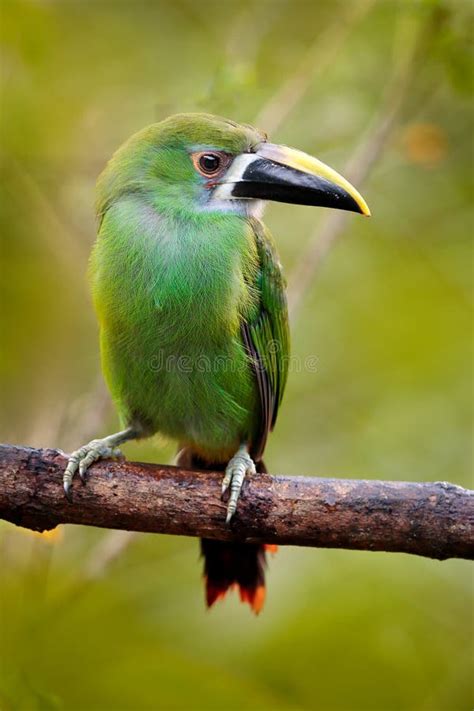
(266, 180)
(287, 175)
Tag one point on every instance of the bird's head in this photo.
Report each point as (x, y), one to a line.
(192, 162)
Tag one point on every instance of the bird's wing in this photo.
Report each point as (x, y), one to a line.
(266, 336)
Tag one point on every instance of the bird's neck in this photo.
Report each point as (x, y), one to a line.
(194, 266)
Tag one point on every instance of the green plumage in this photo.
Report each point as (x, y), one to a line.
(189, 296)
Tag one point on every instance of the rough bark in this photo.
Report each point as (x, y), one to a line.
(429, 519)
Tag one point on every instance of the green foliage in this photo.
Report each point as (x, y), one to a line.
(388, 321)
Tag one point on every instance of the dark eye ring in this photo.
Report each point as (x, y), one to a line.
(209, 163)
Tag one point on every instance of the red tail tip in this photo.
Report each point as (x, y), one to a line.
(215, 593)
(254, 597)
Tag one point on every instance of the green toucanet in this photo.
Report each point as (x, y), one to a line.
(191, 302)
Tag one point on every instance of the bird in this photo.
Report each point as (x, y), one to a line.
(185, 273)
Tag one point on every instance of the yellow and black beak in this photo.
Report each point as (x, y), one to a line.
(284, 174)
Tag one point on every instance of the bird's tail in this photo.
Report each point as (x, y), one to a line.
(230, 564)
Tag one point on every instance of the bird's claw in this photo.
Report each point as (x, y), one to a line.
(240, 465)
(80, 461)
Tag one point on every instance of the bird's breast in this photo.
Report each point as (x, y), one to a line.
(175, 281)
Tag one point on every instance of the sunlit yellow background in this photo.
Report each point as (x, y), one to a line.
(102, 621)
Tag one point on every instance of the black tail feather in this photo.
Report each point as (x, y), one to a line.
(228, 564)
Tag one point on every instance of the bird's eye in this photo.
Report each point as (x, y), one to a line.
(210, 164)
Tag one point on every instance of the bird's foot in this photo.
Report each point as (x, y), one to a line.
(82, 458)
(240, 465)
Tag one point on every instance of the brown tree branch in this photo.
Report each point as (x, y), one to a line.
(429, 519)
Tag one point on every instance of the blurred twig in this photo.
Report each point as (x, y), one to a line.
(430, 519)
(360, 165)
(107, 550)
(315, 61)
(73, 422)
(62, 242)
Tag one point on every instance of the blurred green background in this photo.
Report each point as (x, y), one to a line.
(105, 621)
